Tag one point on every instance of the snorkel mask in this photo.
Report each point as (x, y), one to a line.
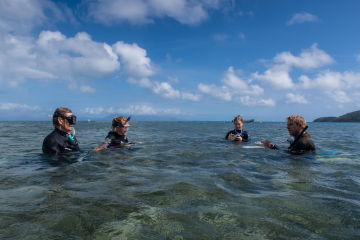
(71, 119)
(118, 124)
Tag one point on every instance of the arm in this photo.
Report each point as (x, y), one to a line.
(103, 145)
(269, 144)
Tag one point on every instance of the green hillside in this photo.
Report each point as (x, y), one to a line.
(348, 117)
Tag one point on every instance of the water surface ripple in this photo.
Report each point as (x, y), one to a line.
(183, 182)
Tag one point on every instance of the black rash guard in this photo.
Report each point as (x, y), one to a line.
(244, 134)
(302, 144)
(114, 140)
(58, 142)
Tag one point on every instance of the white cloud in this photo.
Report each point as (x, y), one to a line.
(339, 96)
(278, 76)
(218, 92)
(144, 11)
(302, 17)
(329, 80)
(6, 106)
(296, 98)
(309, 58)
(87, 89)
(137, 109)
(20, 16)
(94, 110)
(166, 90)
(53, 56)
(134, 58)
(234, 82)
(283, 63)
(235, 86)
(251, 101)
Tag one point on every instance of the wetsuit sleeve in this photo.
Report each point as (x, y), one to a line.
(227, 135)
(50, 146)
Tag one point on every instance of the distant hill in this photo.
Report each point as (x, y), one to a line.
(349, 117)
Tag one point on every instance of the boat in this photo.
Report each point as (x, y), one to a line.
(248, 120)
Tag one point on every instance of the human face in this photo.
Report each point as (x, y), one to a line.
(64, 124)
(122, 130)
(293, 129)
(238, 125)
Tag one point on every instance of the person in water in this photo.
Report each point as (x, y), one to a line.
(296, 125)
(116, 138)
(237, 134)
(62, 139)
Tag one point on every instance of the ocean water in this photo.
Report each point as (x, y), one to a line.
(184, 182)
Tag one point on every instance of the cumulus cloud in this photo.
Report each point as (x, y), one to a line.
(235, 86)
(308, 58)
(278, 74)
(21, 16)
(137, 109)
(218, 92)
(144, 11)
(296, 98)
(7, 106)
(302, 17)
(53, 56)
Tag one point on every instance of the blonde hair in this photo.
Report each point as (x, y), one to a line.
(238, 118)
(297, 119)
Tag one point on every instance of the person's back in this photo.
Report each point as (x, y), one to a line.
(61, 140)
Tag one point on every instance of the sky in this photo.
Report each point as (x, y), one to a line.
(179, 59)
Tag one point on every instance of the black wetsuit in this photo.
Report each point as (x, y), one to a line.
(244, 135)
(302, 144)
(115, 140)
(58, 142)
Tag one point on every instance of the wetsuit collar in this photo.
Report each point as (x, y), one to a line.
(298, 137)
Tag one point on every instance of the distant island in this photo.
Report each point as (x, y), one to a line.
(349, 117)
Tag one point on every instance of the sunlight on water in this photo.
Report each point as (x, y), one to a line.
(184, 182)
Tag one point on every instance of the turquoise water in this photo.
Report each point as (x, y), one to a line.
(183, 182)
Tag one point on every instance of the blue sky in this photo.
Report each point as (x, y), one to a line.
(183, 59)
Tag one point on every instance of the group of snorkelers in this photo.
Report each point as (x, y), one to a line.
(296, 126)
(63, 140)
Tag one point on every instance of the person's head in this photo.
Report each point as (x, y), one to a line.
(64, 119)
(120, 125)
(295, 124)
(238, 122)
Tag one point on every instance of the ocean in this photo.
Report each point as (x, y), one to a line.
(183, 182)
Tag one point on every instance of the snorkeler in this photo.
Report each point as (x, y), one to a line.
(237, 134)
(62, 139)
(116, 138)
(302, 143)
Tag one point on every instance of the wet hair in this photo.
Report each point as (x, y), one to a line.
(60, 111)
(238, 118)
(121, 119)
(297, 119)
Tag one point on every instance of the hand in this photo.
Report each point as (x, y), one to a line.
(267, 143)
(237, 137)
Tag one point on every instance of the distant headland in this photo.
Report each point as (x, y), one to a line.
(348, 117)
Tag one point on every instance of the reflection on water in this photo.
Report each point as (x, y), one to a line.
(183, 182)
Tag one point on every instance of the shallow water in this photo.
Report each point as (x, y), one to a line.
(183, 182)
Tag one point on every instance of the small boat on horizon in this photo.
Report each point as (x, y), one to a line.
(248, 120)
